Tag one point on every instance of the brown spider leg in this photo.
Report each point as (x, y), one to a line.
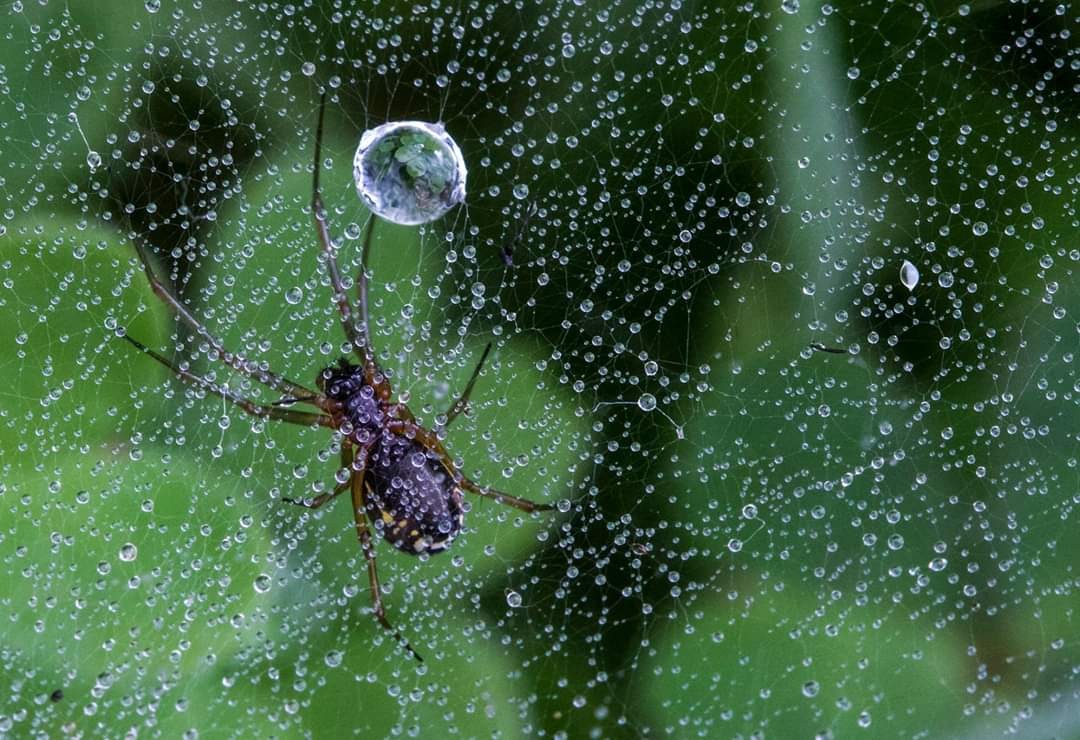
(235, 361)
(368, 546)
(358, 337)
(502, 498)
(361, 278)
(461, 405)
(324, 498)
(430, 441)
(262, 411)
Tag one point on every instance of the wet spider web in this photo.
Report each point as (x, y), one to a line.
(796, 491)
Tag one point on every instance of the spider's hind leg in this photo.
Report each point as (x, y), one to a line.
(504, 498)
(347, 463)
(367, 544)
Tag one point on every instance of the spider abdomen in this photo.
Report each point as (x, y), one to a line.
(411, 496)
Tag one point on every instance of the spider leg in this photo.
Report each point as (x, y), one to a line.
(361, 279)
(357, 337)
(235, 361)
(430, 441)
(462, 403)
(325, 498)
(368, 546)
(255, 409)
(503, 498)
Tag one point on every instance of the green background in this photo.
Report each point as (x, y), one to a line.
(792, 542)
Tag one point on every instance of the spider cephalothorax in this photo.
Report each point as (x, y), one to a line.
(397, 472)
(358, 401)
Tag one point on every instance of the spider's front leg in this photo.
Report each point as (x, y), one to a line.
(259, 410)
(235, 361)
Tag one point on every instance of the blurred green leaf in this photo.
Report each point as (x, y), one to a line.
(118, 570)
(779, 665)
(330, 682)
(67, 290)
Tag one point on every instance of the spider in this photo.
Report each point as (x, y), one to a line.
(399, 474)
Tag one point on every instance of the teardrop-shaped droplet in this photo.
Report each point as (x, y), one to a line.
(909, 275)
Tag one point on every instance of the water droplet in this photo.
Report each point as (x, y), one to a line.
(979, 228)
(294, 295)
(938, 564)
(128, 552)
(262, 583)
(909, 275)
(334, 658)
(93, 160)
(409, 172)
(307, 69)
(521, 192)
(513, 599)
(152, 6)
(685, 236)
(646, 402)
(791, 7)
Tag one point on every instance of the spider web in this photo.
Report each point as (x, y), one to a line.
(793, 491)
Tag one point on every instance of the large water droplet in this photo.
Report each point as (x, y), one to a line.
(409, 172)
